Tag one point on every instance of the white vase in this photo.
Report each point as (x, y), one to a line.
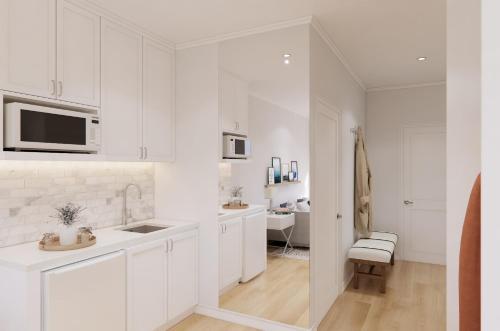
(68, 235)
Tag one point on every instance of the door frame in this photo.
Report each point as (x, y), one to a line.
(313, 323)
(403, 226)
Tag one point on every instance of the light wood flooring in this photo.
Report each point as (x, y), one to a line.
(203, 323)
(280, 294)
(415, 301)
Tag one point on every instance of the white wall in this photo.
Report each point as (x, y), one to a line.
(274, 131)
(463, 130)
(490, 272)
(330, 81)
(388, 112)
(187, 189)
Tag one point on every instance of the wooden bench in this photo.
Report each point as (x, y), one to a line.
(374, 251)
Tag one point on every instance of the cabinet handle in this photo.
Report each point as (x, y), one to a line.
(171, 245)
(60, 89)
(52, 87)
(141, 149)
(145, 152)
(225, 228)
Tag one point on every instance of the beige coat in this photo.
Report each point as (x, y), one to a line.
(363, 215)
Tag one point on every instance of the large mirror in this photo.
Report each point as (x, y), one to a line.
(264, 247)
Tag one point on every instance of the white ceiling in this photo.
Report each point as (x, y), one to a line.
(258, 59)
(380, 39)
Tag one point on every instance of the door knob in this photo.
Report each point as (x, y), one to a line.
(408, 202)
(339, 216)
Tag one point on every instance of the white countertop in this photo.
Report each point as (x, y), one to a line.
(28, 257)
(226, 214)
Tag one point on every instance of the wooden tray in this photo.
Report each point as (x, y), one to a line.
(54, 245)
(242, 206)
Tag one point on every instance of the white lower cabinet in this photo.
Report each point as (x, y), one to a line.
(230, 252)
(162, 281)
(86, 295)
(182, 274)
(147, 286)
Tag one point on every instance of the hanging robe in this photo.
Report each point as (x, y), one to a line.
(363, 203)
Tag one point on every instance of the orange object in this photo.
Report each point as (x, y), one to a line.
(470, 264)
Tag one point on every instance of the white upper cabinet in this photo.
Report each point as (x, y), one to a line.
(147, 286)
(121, 106)
(27, 46)
(158, 104)
(78, 54)
(234, 104)
(182, 273)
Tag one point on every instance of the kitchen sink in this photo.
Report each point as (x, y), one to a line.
(145, 228)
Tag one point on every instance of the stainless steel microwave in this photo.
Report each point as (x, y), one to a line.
(236, 147)
(36, 128)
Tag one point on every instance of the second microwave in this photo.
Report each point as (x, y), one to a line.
(236, 147)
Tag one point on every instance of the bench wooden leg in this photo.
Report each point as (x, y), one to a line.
(392, 259)
(382, 279)
(356, 276)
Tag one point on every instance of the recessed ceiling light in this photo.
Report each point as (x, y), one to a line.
(286, 58)
(422, 58)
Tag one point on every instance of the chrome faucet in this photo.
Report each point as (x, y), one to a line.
(127, 213)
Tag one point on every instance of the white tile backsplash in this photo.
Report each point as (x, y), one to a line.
(225, 182)
(29, 192)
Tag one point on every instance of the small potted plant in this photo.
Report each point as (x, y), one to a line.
(236, 195)
(68, 216)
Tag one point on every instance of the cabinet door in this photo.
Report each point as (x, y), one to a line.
(254, 245)
(86, 295)
(121, 108)
(230, 252)
(228, 102)
(27, 46)
(182, 273)
(78, 54)
(241, 108)
(158, 105)
(147, 286)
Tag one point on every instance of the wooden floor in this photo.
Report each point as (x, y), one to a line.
(415, 301)
(203, 323)
(279, 294)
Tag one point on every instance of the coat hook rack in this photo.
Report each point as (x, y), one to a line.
(354, 131)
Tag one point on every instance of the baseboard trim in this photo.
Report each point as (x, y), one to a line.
(246, 320)
(347, 281)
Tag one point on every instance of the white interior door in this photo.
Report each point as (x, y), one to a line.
(324, 207)
(424, 194)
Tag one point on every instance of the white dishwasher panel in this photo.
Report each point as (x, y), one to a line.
(254, 245)
(88, 295)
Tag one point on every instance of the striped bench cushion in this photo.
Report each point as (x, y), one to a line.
(379, 247)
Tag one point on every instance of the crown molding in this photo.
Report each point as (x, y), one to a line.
(98, 9)
(402, 87)
(335, 50)
(244, 33)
